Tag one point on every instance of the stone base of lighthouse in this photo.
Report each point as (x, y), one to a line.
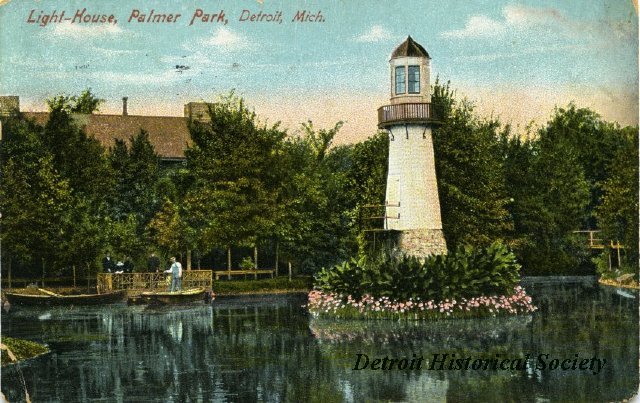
(421, 242)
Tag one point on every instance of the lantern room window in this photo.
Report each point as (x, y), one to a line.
(400, 80)
(414, 79)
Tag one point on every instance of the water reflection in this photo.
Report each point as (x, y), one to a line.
(269, 349)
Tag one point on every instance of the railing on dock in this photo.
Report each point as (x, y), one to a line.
(152, 281)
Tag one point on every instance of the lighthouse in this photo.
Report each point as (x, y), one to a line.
(412, 206)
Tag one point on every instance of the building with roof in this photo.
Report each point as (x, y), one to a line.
(168, 134)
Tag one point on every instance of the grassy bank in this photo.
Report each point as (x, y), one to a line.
(271, 285)
(20, 350)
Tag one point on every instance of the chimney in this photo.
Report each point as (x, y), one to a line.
(124, 106)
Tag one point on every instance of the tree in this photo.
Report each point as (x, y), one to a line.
(550, 197)
(86, 238)
(136, 169)
(358, 179)
(314, 230)
(169, 230)
(35, 201)
(82, 162)
(319, 140)
(595, 143)
(233, 160)
(78, 158)
(617, 213)
(86, 103)
(124, 238)
(470, 174)
(71, 172)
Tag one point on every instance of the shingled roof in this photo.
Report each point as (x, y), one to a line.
(169, 135)
(409, 48)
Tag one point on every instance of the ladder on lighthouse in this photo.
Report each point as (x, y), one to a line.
(384, 218)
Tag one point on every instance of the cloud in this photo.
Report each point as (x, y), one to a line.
(212, 51)
(522, 16)
(478, 26)
(515, 18)
(545, 25)
(226, 40)
(67, 30)
(377, 33)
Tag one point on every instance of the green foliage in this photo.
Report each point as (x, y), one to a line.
(169, 230)
(232, 160)
(86, 237)
(617, 213)
(593, 141)
(550, 196)
(468, 272)
(20, 349)
(368, 170)
(319, 140)
(123, 238)
(77, 158)
(247, 263)
(81, 161)
(313, 229)
(64, 200)
(134, 200)
(86, 103)
(278, 284)
(136, 169)
(471, 182)
(572, 175)
(34, 199)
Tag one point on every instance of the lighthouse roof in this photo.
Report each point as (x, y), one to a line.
(409, 48)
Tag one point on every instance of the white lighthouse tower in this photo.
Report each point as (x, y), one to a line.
(412, 204)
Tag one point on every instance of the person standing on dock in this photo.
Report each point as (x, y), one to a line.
(153, 263)
(107, 264)
(176, 275)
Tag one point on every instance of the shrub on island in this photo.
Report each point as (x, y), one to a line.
(470, 282)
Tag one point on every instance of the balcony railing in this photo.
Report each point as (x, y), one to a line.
(405, 113)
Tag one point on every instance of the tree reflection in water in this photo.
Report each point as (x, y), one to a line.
(269, 349)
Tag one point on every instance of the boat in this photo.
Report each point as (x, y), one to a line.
(198, 294)
(47, 297)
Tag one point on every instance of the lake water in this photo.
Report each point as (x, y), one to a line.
(270, 349)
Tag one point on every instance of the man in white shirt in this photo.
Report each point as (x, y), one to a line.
(176, 275)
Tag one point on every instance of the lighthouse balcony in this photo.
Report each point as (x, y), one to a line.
(405, 113)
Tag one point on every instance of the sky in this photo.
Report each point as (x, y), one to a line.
(516, 60)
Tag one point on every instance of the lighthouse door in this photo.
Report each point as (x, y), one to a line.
(393, 202)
